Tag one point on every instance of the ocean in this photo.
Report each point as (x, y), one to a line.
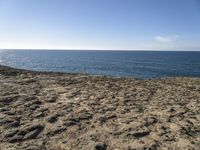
(139, 64)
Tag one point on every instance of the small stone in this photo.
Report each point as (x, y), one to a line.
(8, 99)
(10, 133)
(52, 119)
(150, 121)
(85, 116)
(4, 109)
(32, 135)
(16, 138)
(129, 148)
(139, 134)
(34, 107)
(153, 146)
(100, 146)
(31, 132)
(9, 122)
(11, 112)
(70, 123)
(102, 119)
(33, 148)
(56, 130)
(40, 114)
(51, 98)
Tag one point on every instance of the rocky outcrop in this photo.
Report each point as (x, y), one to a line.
(76, 111)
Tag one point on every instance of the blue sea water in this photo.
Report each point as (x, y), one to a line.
(141, 64)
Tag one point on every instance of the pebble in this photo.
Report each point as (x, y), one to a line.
(100, 146)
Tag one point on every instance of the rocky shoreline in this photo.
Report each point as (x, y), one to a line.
(57, 111)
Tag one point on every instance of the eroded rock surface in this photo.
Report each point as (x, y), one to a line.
(75, 111)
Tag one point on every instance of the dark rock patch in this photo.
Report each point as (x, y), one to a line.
(138, 133)
(8, 99)
(50, 97)
(70, 122)
(56, 130)
(100, 146)
(9, 122)
(16, 138)
(52, 118)
(10, 133)
(30, 132)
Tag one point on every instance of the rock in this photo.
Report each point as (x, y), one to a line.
(56, 130)
(32, 102)
(29, 98)
(73, 94)
(153, 146)
(51, 98)
(129, 148)
(9, 122)
(31, 132)
(28, 81)
(8, 99)
(52, 118)
(16, 138)
(34, 107)
(70, 122)
(34, 148)
(104, 118)
(100, 146)
(139, 133)
(10, 133)
(85, 116)
(39, 115)
(150, 121)
(4, 109)
(11, 112)
(76, 118)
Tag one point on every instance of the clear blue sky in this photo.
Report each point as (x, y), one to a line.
(100, 24)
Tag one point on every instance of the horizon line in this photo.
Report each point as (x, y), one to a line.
(97, 49)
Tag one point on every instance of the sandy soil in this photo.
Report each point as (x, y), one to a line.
(76, 111)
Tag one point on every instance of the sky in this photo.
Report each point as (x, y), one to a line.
(100, 24)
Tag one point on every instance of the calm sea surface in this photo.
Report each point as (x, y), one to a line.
(142, 64)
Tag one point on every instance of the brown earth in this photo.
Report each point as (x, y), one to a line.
(43, 110)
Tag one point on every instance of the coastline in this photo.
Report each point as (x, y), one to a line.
(44, 110)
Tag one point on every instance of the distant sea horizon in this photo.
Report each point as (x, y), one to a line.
(120, 63)
(153, 50)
